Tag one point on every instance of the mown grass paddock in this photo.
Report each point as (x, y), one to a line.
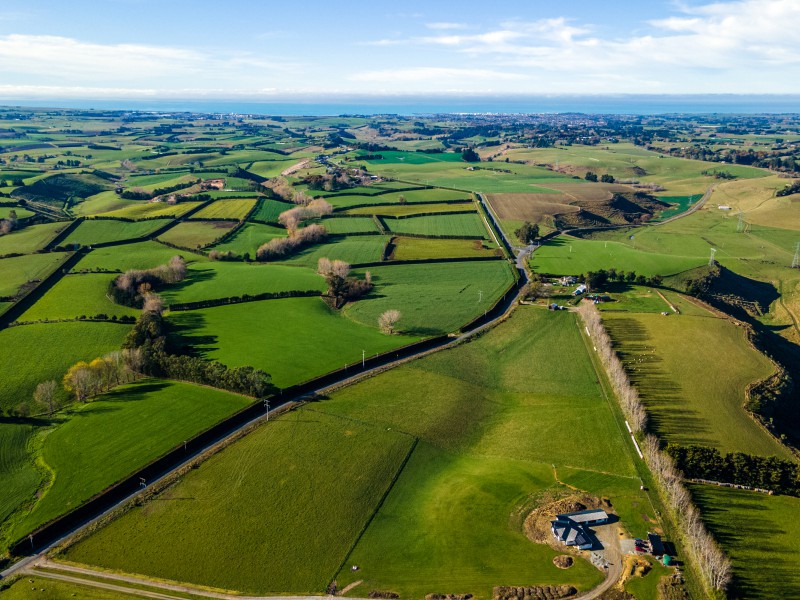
(407, 248)
(94, 445)
(143, 209)
(35, 353)
(196, 234)
(293, 339)
(212, 280)
(75, 296)
(433, 298)
(139, 255)
(92, 232)
(248, 238)
(312, 459)
(444, 525)
(354, 249)
(29, 239)
(18, 271)
(760, 534)
(692, 372)
(467, 225)
(227, 209)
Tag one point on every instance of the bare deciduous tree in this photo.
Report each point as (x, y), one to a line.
(45, 396)
(388, 320)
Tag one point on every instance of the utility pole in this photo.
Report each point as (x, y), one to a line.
(480, 296)
(266, 407)
(363, 358)
(740, 224)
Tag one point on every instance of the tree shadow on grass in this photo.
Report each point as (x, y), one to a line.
(185, 335)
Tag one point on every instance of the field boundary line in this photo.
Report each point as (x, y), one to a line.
(378, 507)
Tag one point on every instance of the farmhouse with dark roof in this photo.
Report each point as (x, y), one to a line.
(572, 529)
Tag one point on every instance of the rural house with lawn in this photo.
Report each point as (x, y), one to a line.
(572, 529)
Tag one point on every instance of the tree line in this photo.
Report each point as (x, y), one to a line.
(764, 472)
(597, 279)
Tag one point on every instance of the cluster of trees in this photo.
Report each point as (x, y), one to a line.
(8, 224)
(86, 380)
(702, 282)
(708, 557)
(623, 388)
(794, 188)
(341, 287)
(148, 338)
(330, 182)
(221, 255)
(768, 473)
(469, 155)
(133, 286)
(528, 233)
(597, 279)
(298, 239)
(604, 178)
(311, 209)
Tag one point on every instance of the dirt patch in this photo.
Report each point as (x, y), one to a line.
(380, 594)
(530, 207)
(540, 592)
(537, 523)
(448, 596)
(590, 192)
(296, 167)
(563, 561)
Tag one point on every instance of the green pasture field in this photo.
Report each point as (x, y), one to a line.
(147, 210)
(691, 372)
(35, 353)
(92, 232)
(138, 255)
(292, 339)
(227, 209)
(574, 256)
(196, 234)
(22, 213)
(679, 204)
(17, 271)
(100, 203)
(77, 295)
(29, 239)
(432, 225)
(249, 237)
(313, 459)
(643, 299)
(679, 176)
(20, 476)
(209, 280)
(345, 225)
(433, 298)
(416, 158)
(348, 198)
(354, 250)
(486, 177)
(760, 534)
(151, 184)
(270, 210)
(452, 520)
(404, 210)
(425, 248)
(271, 168)
(757, 200)
(94, 445)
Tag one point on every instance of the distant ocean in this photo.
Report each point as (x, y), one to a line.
(621, 105)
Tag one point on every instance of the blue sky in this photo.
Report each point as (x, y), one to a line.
(261, 50)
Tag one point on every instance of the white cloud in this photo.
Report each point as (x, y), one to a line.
(437, 74)
(62, 58)
(446, 26)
